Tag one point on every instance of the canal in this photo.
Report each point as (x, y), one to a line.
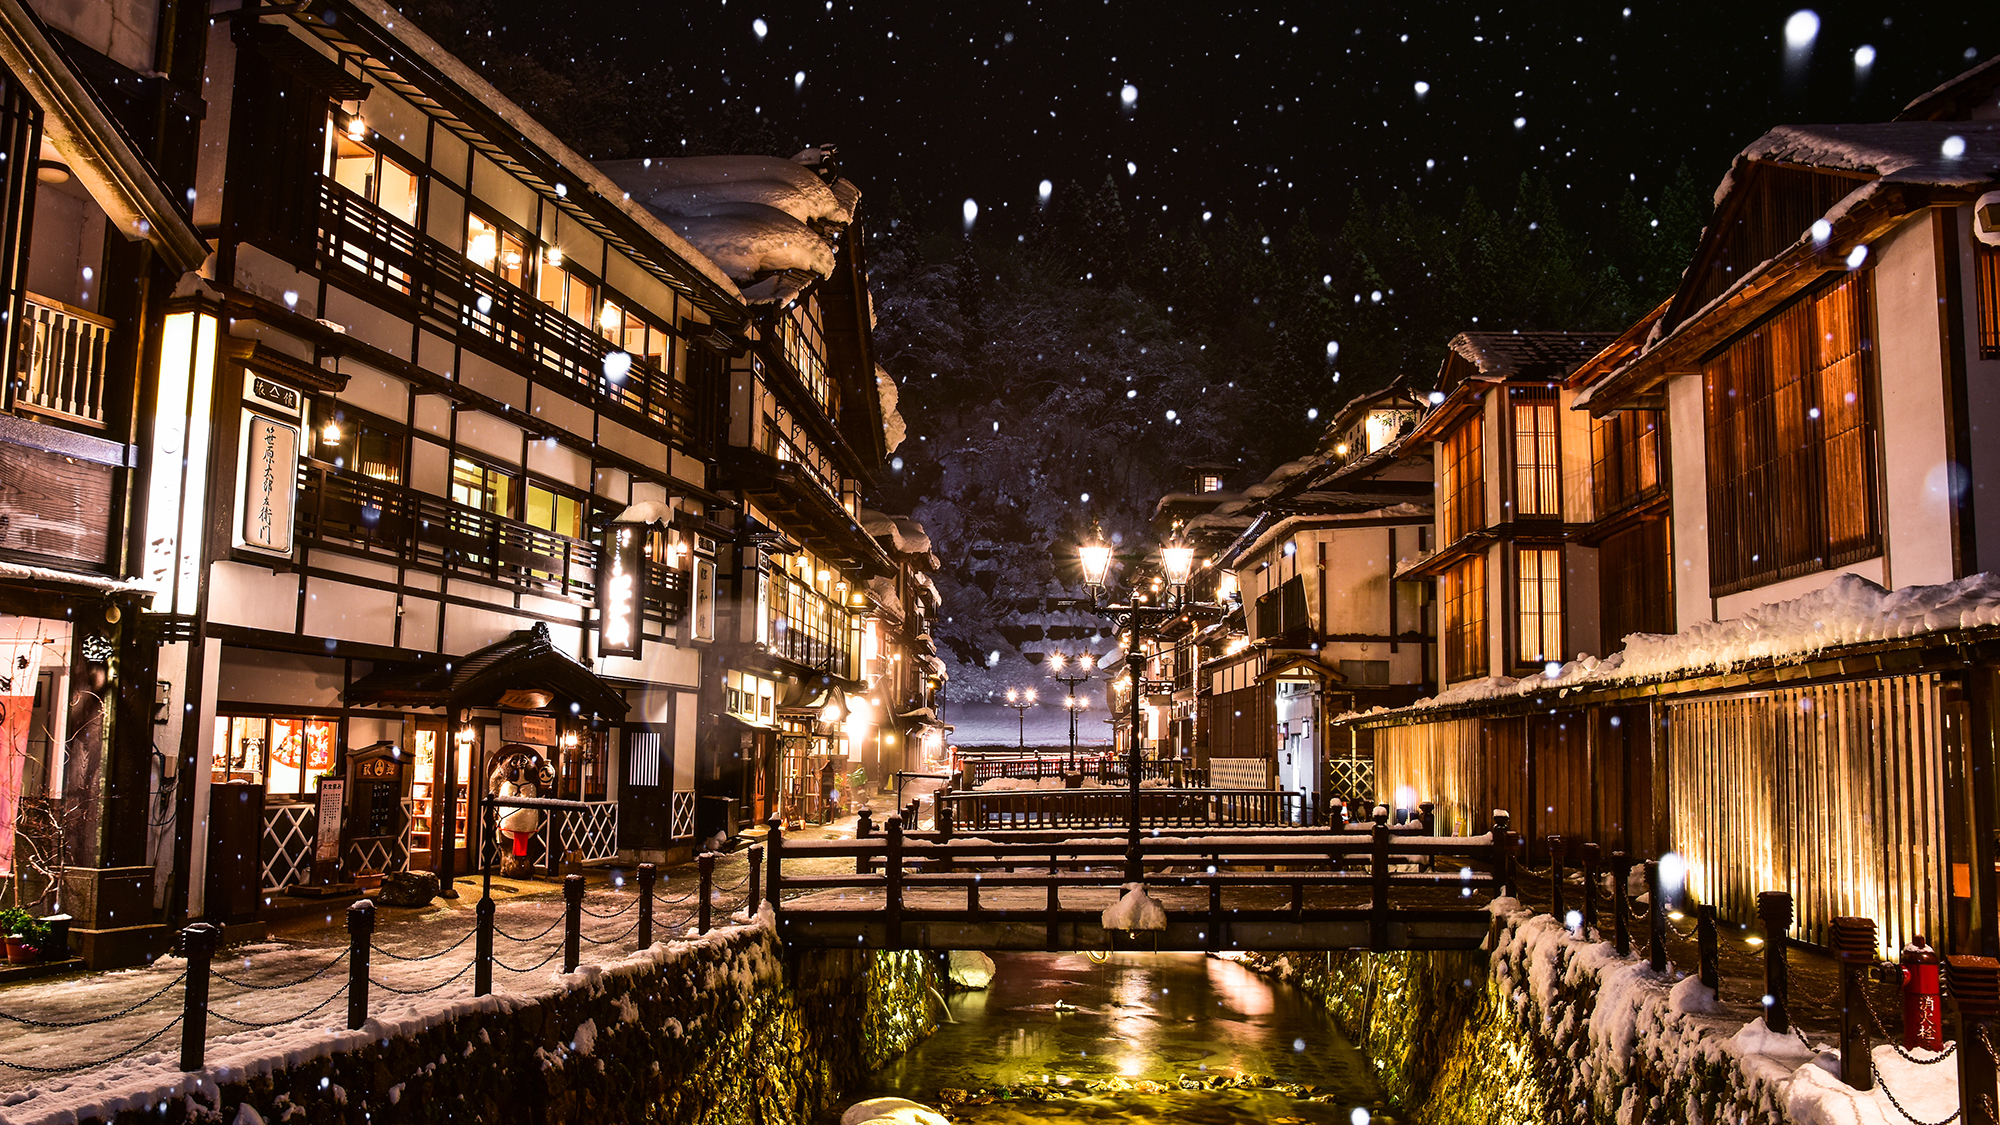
(1060, 1037)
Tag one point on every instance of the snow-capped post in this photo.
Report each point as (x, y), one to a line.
(1704, 931)
(892, 884)
(198, 949)
(573, 919)
(1656, 918)
(941, 821)
(649, 876)
(1775, 907)
(1621, 903)
(360, 928)
(1854, 944)
(1591, 854)
(1558, 903)
(774, 843)
(864, 828)
(1975, 989)
(705, 865)
(1378, 915)
(756, 879)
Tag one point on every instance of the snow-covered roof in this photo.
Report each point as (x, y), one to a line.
(894, 429)
(1553, 354)
(905, 535)
(1850, 610)
(1914, 152)
(1965, 93)
(758, 217)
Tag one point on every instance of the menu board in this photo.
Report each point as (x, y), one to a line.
(332, 807)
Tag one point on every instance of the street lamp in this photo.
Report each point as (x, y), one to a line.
(1020, 701)
(1176, 566)
(1081, 667)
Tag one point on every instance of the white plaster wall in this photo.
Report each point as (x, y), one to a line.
(344, 611)
(1982, 406)
(252, 597)
(285, 678)
(1687, 469)
(1910, 358)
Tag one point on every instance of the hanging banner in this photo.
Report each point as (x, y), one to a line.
(621, 581)
(270, 470)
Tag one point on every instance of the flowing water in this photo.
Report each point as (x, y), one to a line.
(1059, 1038)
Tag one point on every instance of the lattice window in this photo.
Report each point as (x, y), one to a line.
(1537, 466)
(1462, 481)
(288, 845)
(1539, 582)
(683, 815)
(1462, 592)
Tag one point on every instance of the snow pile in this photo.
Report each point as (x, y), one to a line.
(891, 1111)
(752, 215)
(906, 536)
(1849, 610)
(1136, 912)
(894, 429)
(971, 968)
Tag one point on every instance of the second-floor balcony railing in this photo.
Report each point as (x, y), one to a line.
(420, 528)
(391, 253)
(60, 367)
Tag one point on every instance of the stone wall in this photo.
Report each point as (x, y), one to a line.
(1550, 1028)
(725, 1030)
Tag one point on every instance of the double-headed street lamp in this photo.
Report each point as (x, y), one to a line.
(1020, 701)
(1080, 668)
(1176, 565)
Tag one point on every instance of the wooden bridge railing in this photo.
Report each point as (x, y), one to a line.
(983, 810)
(875, 898)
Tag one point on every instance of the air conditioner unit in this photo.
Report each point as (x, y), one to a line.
(1986, 218)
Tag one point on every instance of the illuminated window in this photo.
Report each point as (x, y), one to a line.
(1540, 603)
(370, 174)
(1211, 483)
(500, 251)
(285, 755)
(482, 487)
(1537, 471)
(355, 446)
(1462, 482)
(564, 291)
(554, 511)
(1462, 594)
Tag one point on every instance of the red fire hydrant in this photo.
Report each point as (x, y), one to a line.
(1923, 1022)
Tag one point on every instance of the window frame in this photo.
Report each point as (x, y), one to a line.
(1537, 452)
(1538, 625)
(1462, 479)
(1462, 637)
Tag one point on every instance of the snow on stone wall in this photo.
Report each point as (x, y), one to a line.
(1550, 1027)
(723, 1027)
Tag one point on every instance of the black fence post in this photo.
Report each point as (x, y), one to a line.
(1591, 854)
(892, 874)
(705, 864)
(1503, 854)
(1428, 817)
(1656, 918)
(1558, 898)
(1854, 942)
(1975, 990)
(1378, 914)
(756, 880)
(774, 845)
(360, 928)
(1704, 929)
(649, 875)
(482, 946)
(198, 948)
(1621, 903)
(1775, 907)
(572, 919)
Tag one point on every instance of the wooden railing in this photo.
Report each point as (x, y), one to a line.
(872, 906)
(422, 528)
(363, 238)
(60, 368)
(1108, 807)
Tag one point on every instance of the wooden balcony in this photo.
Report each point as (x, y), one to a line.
(60, 368)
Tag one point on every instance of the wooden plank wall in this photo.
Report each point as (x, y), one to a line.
(55, 506)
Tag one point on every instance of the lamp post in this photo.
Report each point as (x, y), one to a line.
(1020, 701)
(1176, 565)
(1081, 668)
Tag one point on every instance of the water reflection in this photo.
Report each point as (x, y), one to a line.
(1056, 1022)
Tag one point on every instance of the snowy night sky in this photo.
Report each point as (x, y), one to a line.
(1267, 108)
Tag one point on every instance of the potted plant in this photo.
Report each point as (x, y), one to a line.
(25, 935)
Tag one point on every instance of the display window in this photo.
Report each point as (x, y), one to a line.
(285, 755)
